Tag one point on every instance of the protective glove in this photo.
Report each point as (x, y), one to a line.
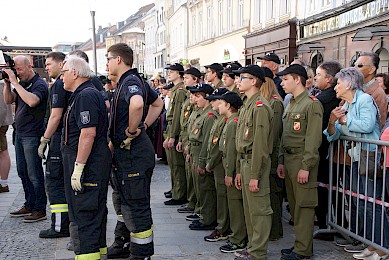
(77, 176)
(126, 144)
(42, 147)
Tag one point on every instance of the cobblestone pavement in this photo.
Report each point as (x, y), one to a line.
(172, 237)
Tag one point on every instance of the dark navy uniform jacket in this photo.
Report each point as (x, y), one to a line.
(86, 109)
(29, 121)
(59, 98)
(129, 84)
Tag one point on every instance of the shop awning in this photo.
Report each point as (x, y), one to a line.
(309, 47)
(367, 33)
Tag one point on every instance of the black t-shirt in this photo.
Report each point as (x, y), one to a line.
(86, 109)
(130, 84)
(29, 121)
(59, 98)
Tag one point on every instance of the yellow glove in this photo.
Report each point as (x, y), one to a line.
(42, 147)
(126, 144)
(77, 176)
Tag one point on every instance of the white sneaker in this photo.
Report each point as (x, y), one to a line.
(375, 256)
(362, 255)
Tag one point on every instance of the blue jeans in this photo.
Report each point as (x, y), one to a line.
(30, 171)
(366, 187)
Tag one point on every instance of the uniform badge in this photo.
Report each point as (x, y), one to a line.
(186, 114)
(296, 126)
(211, 114)
(259, 103)
(297, 116)
(196, 131)
(236, 119)
(313, 98)
(224, 142)
(215, 139)
(54, 99)
(275, 96)
(85, 117)
(188, 108)
(247, 132)
(133, 89)
(226, 119)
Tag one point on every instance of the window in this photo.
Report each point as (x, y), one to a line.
(209, 22)
(256, 12)
(200, 26)
(240, 13)
(229, 15)
(220, 17)
(270, 10)
(284, 7)
(194, 28)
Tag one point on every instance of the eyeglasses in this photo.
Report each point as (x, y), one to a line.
(360, 65)
(112, 57)
(63, 71)
(243, 77)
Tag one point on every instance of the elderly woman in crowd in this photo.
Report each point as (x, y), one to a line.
(358, 117)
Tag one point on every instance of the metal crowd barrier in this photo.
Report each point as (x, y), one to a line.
(356, 205)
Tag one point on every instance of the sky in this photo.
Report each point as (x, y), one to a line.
(45, 23)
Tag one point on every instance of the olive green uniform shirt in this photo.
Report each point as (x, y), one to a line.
(178, 97)
(253, 135)
(227, 145)
(214, 154)
(302, 131)
(278, 109)
(186, 111)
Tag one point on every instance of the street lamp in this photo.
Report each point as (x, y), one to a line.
(94, 41)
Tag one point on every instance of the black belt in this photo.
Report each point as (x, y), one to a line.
(293, 150)
(246, 156)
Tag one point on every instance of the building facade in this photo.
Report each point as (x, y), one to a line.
(272, 29)
(344, 29)
(150, 21)
(216, 29)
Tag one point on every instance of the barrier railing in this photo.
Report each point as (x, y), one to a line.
(359, 185)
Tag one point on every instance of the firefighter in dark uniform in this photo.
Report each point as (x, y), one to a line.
(133, 151)
(120, 247)
(54, 170)
(299, 158)
(86, 160)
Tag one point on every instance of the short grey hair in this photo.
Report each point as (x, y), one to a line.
(79, 65)
(351, 75)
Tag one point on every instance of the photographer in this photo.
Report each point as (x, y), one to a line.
(30, 96)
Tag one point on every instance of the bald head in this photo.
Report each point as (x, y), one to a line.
(23, 68)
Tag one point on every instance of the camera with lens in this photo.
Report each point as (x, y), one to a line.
(6, 62)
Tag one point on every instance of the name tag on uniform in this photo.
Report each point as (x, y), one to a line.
(296, 126)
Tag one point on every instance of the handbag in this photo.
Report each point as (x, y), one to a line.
(369, 158)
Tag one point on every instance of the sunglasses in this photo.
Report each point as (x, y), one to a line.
(360, 65)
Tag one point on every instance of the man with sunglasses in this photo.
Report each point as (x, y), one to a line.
(367, 64)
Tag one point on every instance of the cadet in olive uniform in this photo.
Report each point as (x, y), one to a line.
(215, 165)
(228, 107)
(213, 76)
(175, 158)
(228, 77)
(191, 157)
(269, 91)
(254, 144)
(299, 158)
(199, 136)
(191, 77)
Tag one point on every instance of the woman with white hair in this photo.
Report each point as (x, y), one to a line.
(359, 117)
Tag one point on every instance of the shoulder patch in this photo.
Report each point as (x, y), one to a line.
(226, 119)
(180, 87)
(314, 98)
(55, 99)
(133, 89)
(211, 114)
(236, 119)
(259, 103)
(85, 117)
(275, 97)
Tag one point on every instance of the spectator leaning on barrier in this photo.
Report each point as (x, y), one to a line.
(367, 64)
(30, 95)
(358, 117)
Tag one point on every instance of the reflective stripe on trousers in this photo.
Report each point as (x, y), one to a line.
(142, 238)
